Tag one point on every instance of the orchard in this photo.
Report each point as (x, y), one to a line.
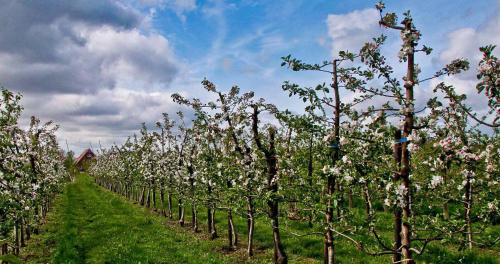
(365, 165)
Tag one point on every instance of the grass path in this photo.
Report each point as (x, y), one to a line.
(91, 225)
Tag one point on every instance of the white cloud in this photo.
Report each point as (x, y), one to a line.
(131, 58)
(180, 7)
(107, 116)
(465, 43)
(350, 31)
(184, 5)
(97, 76)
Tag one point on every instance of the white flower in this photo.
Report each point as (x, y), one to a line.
(387, 202)
(388, 186)
(328, 137)
(408, 83)
(346, 160)
(490, 168)
(436, 180)
(400, 194)
(335, 171)
(348, 178)
(412, 147)
(492, 207)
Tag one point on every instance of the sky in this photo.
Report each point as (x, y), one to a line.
(100, 68)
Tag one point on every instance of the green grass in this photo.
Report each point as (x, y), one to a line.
(308, 249)
(92, 225)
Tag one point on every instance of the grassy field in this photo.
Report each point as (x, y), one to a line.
(92, 225)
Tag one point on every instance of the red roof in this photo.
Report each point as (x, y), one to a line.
(84, 154)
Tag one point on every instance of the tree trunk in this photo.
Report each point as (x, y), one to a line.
(154, 197)
(232, 236)
(368, 204)
(310, 173)
(280, 256)
(211, 215)
(340, 200)
(350, 198)
(18, 240)
(181, 213)
(22, 233)
(446, 211)
(148, 200)
(28, 231)
(468, 210)
(209, 218)
(169, 205)
(329, 249)
(250, 225)
(143, 194)
(5, 249)
(211, 223)
(194, 217)
(405, 156)
(396, 257)
(162, 201)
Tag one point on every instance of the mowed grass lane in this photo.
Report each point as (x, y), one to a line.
(91, 225)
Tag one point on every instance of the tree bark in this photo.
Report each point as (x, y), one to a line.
(142, 198)
(22, 234)
(329, 247)
(280, 256)
(181, 213)
(232, 236)
(405, 155)
(17, 239)
(194, 217)
(212, 231)
(148, 200)
(162, 201)
(250, 225)
(468, 210)
(5, 249)
(446, 210)
(154, 197)
(310, 172)
(169, 199)
(28, 231)
(350, 198)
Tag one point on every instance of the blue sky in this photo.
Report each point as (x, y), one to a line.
(276, 28)
(100, 68)
(241, 42)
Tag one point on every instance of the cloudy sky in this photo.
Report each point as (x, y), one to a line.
(99, 68)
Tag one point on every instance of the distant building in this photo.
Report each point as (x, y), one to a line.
(83, 161)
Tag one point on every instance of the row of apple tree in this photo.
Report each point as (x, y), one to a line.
(363, 151)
